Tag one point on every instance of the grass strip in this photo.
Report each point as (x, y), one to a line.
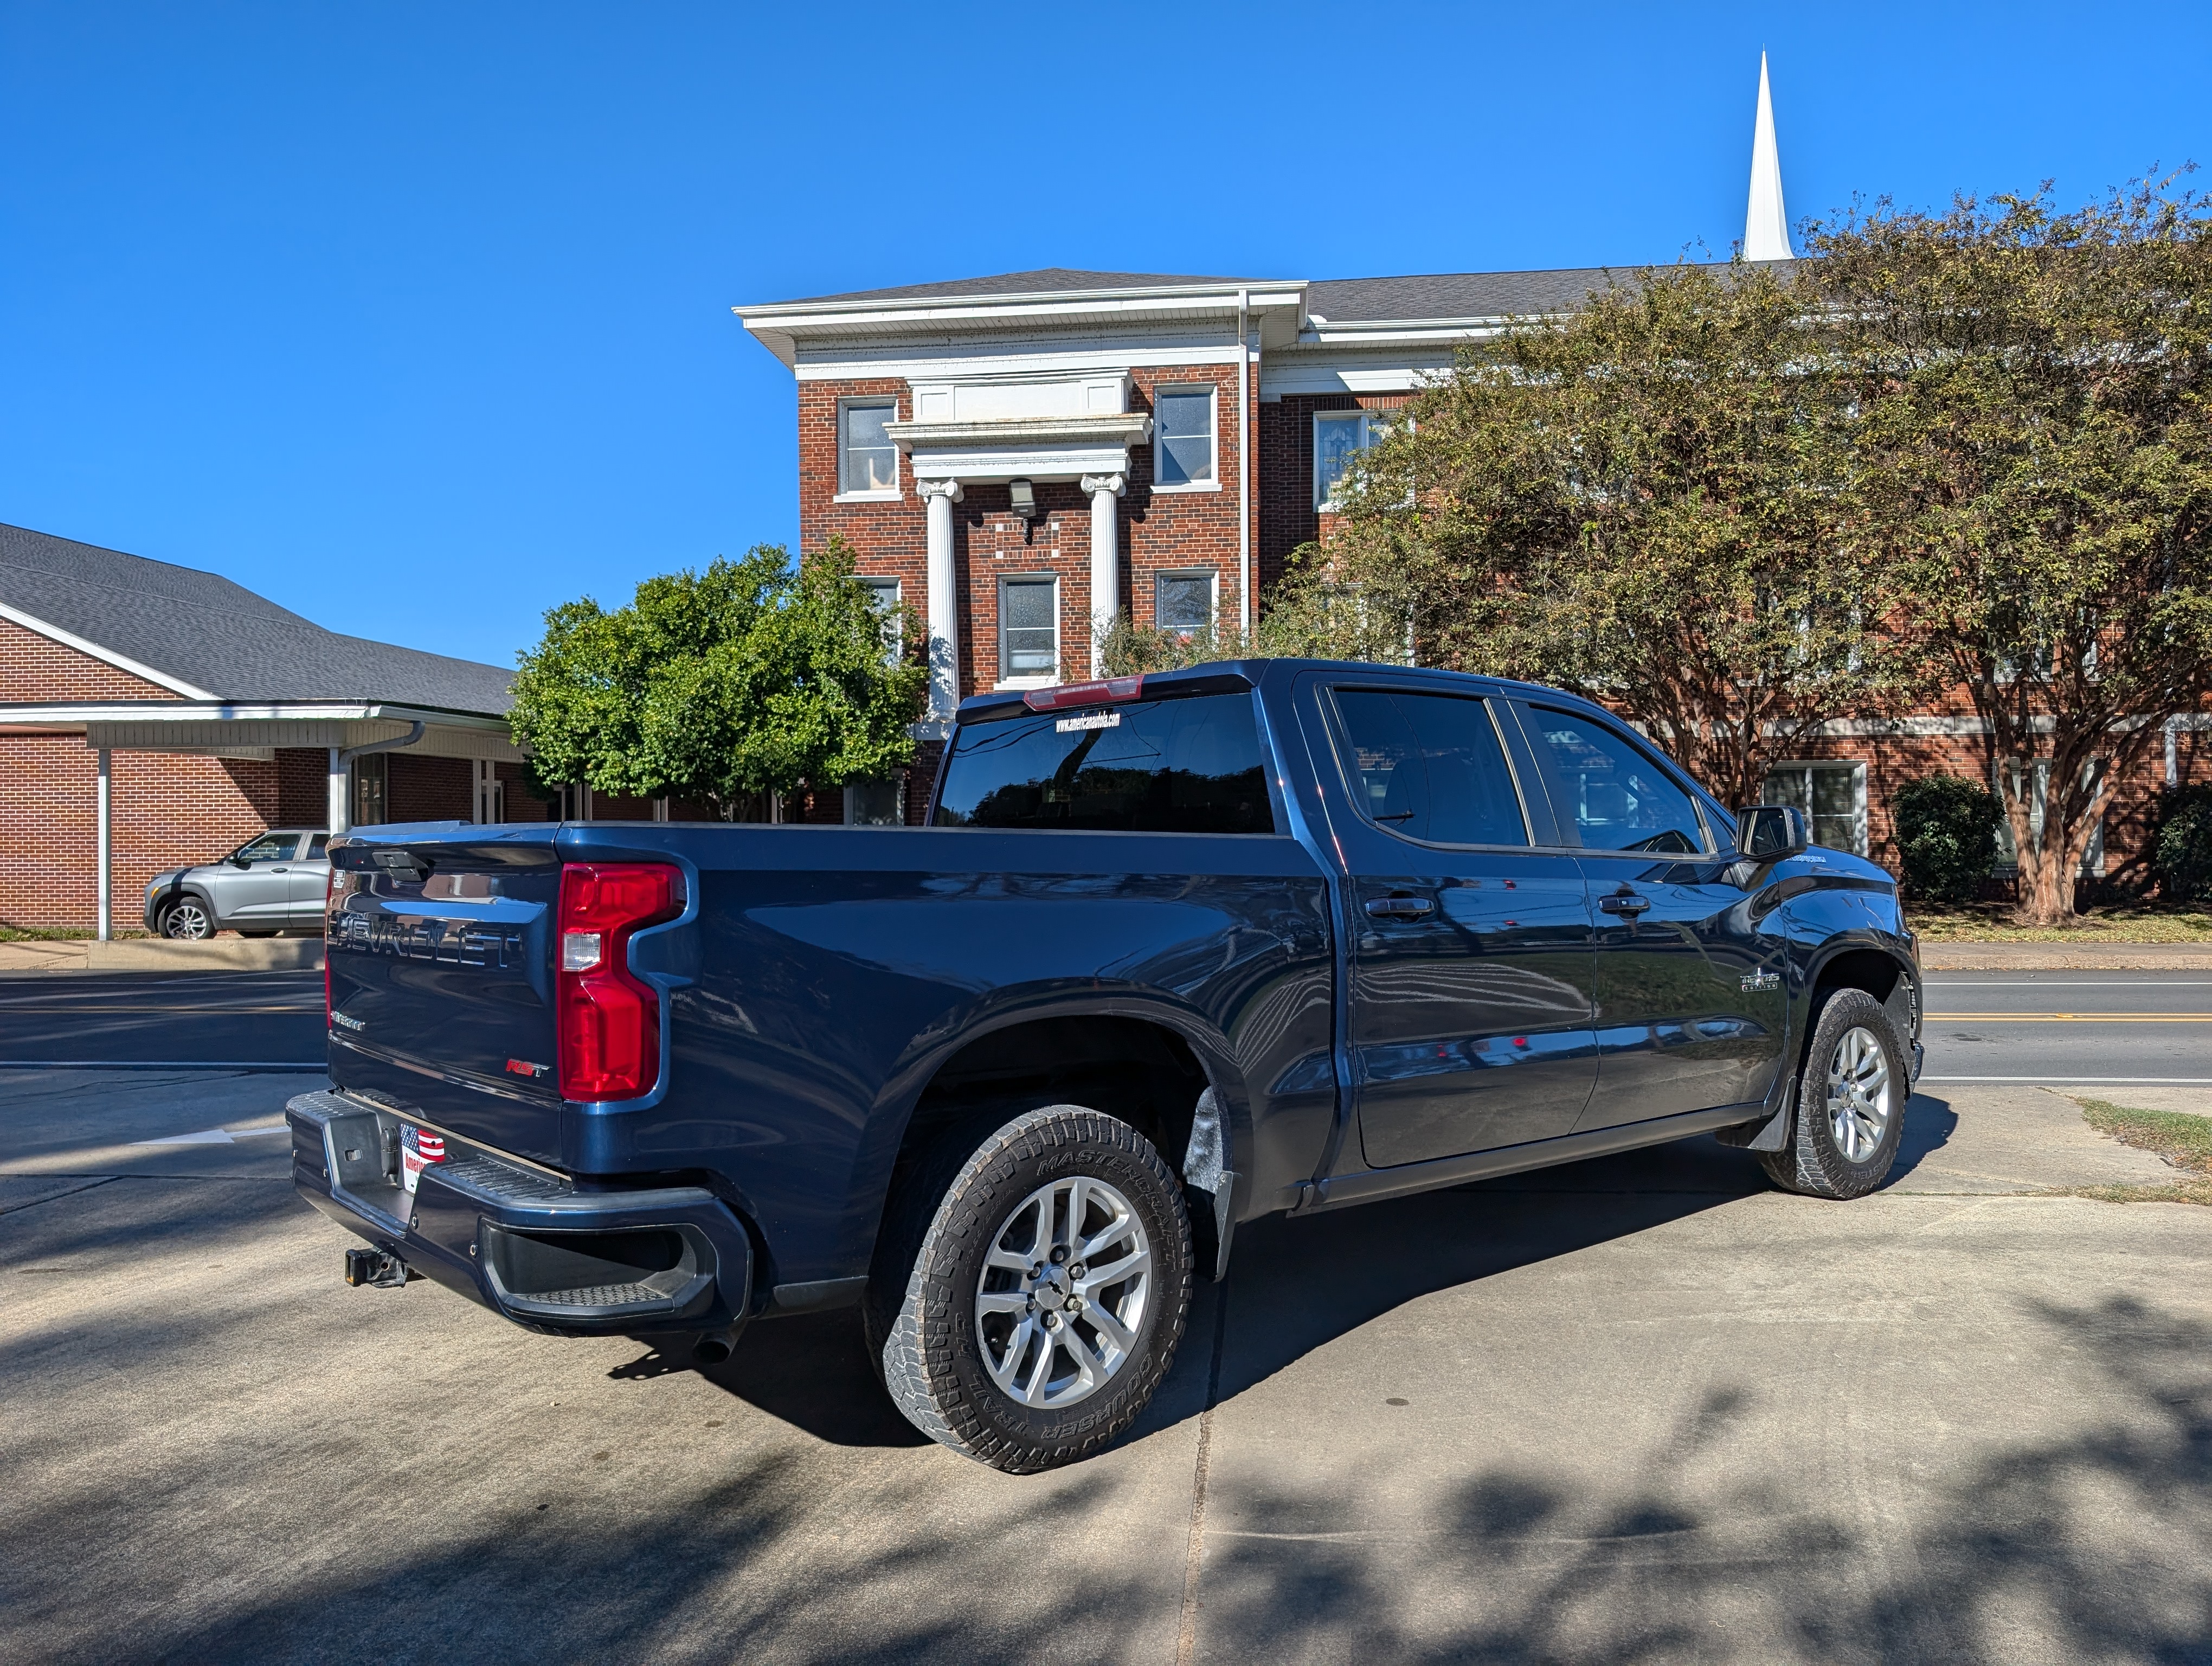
(1993, 922)
(2181, 1138)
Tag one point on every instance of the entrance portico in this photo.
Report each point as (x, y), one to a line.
(995, 431)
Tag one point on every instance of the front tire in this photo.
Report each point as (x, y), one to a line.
(1025, 1307)
(1850, 1102)
(188, 919)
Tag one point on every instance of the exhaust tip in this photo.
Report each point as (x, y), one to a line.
(711, 1350)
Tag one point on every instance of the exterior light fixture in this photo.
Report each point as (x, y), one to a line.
(1025, 495)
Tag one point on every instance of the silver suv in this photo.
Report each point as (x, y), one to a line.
(270, 884)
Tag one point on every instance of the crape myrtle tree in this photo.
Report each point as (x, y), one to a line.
(754, 676)
(2032, 447)
(1646, 501)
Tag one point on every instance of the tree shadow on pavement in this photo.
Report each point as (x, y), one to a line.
(2090, 1546)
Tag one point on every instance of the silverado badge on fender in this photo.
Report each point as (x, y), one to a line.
(1758, 982)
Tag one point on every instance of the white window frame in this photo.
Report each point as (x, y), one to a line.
(1059, 633)
(896, 489)
(1213, 577)
(1212, 482)
(894, 643)
(491, 793)
(2008, 862)
(1371, 424)
(898, 780)
(1858, 769)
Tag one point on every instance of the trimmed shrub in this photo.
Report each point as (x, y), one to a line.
(1947, 835)
(2185, 847)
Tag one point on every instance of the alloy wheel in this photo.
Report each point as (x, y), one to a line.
(1859, 1093)
(187, 920)
(1063, 1291)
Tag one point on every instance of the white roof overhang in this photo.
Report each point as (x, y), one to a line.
(781, 327)
(1022, 448)
(252, 730)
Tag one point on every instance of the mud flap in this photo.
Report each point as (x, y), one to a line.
(1208, 1187)
(1773, 1133)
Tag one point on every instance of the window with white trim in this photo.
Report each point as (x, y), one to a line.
(1832, 797)
(1028, 629)
(1339, 436)
(886, 594)
(876, 803)
(2093, 853)
(867, 461)
(490, 793)
(1182, 436)
(371, 775)
(1182, 603)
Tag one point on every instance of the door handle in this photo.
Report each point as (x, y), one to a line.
(280, 870)
(1624, 902)
(1400, 907)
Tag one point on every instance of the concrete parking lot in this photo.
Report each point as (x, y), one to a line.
(1638, 1409)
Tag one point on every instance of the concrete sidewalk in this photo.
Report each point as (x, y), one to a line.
(1640, 1408)
(158, 954)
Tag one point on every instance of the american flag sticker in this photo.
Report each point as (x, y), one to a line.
(418, 1149)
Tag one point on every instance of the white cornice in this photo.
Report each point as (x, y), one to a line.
(1126, 428)
(780, 327)
(104, 655)
(164, 711)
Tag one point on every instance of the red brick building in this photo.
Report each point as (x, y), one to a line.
(151, 715)
(1020, 459)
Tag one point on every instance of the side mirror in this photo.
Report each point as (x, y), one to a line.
(1770, 832)
(237, 861)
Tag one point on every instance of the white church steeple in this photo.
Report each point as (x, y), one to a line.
(1766, 227)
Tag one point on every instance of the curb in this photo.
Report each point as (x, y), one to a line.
(154, 954)
(2066, 958)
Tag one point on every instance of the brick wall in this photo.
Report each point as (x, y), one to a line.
(1286, 516)
(36, 667)
(166, 809)
(1158, 531)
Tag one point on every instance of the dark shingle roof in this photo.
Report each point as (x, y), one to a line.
(207, 632)
(1469, 294)
(1049, 280)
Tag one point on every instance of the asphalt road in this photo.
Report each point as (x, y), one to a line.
(2083, 1028)
(151, 1018)
(2086, 1029)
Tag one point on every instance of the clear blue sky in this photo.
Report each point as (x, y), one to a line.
(415, 318)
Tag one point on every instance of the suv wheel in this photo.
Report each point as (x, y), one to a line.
(1850, 1102)
(1026, 1304)
(187, 917)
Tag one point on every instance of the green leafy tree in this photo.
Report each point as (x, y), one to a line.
(1645, 501)
(2033, 447)
(750, 677)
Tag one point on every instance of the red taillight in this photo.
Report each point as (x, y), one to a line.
(1085, 694)
(609, 1020)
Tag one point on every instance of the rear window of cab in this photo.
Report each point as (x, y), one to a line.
(1186, 765)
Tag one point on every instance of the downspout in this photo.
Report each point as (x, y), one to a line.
(341, 767)
(1244, 467)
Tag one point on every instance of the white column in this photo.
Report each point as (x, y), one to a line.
(339, 811)
(944, 612)
(104, 914)
(1105, 492)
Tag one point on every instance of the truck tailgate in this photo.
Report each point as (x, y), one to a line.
(441, 980)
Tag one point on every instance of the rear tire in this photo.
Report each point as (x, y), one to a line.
(187, 918)
(997, 1336)
(1850, 1102)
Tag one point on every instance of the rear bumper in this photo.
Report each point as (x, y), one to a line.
(524, 1242)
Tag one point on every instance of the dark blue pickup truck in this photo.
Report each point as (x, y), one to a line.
(1174, 952)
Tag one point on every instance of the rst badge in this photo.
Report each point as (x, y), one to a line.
(1759, 982)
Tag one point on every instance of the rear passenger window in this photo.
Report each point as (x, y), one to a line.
(318, 847)
(1430, 767)
(1164, 766)
(1620, 799)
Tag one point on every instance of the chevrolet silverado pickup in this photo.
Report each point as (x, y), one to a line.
(1172, 952)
